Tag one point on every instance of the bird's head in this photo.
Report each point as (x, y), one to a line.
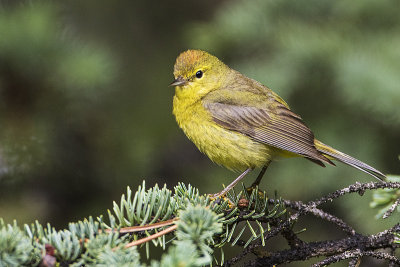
(198, 70)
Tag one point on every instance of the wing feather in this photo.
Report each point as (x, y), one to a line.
(274, 124)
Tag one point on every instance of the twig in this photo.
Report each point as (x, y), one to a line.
(133, 229)
(366, 244)
(357, 254)
(392, 208)
(293, 240)
(151, 237)
(382, 256)
(354, 188)
(355, 262)
(354, 255)
(305, 208)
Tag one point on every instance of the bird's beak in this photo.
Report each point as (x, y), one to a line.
(179, 81)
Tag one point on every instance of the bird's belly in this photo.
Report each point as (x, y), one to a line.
(230, 149)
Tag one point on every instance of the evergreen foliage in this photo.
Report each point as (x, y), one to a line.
(16, 248)
(202, 225)
(143, 219)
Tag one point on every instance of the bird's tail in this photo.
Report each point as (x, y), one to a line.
(332, 153)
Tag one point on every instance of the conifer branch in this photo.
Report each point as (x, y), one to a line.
(200, 227)
(337, 250)
(353, 247)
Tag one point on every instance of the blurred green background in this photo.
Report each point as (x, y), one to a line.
(85, 107)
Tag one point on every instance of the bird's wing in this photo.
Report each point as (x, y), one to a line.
(267, 120)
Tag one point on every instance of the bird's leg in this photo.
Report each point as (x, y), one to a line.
(231, 185)
(260, 176)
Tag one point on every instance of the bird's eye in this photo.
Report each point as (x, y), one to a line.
(199, 74)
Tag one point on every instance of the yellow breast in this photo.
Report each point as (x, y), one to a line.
(230, 149)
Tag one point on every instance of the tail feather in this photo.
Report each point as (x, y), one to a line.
(342, 157)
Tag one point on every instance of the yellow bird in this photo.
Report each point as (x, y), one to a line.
(240, 123)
